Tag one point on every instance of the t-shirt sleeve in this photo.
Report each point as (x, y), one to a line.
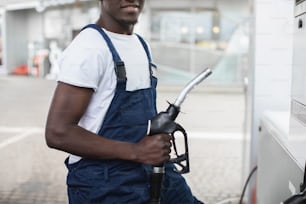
(81, 66)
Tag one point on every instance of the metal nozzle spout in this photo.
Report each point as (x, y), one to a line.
(198, 79)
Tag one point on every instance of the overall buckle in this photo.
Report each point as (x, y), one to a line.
(120, 70)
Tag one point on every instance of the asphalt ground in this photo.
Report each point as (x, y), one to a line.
(31, 173)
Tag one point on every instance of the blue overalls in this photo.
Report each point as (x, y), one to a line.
(116, 181)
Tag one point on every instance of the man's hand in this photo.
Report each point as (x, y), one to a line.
(153, 150)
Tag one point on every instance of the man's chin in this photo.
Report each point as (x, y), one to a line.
(130, 22)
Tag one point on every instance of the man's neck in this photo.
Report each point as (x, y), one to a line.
(119, 28)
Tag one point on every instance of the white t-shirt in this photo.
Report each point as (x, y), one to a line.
(87, 62)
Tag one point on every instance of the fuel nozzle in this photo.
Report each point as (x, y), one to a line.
(173, 111)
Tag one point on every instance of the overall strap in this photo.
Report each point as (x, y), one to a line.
(145, 46)
(119, 64)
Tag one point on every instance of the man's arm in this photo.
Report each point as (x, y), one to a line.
(63, 133)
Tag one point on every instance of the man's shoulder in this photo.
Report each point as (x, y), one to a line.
(89, 38)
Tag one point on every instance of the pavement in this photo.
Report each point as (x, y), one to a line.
(31, 173)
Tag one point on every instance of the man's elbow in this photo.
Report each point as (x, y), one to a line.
(55, 137)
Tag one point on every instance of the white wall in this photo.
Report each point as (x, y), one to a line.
(34, 26)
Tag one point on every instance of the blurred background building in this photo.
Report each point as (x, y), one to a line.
(186, 36)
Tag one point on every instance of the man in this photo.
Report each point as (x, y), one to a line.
(100, 111)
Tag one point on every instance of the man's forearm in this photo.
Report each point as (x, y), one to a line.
(78, 141)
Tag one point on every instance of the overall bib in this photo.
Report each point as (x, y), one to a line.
(117, 181)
